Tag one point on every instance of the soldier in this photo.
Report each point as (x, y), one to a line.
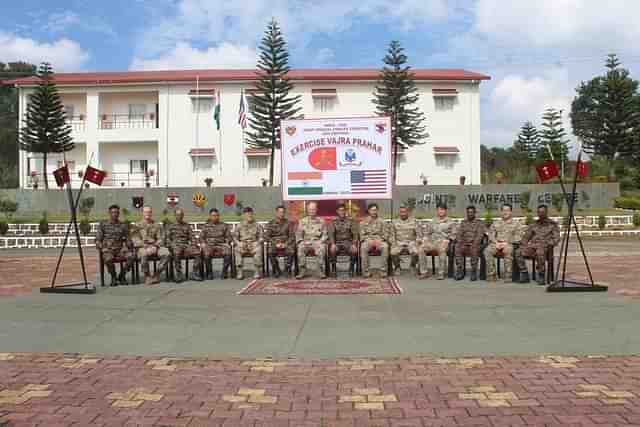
(437, 237)
(280, 237)
(502, 235)
(215, 238)
(373, 235)
(468, 239)
(406, 235)
(248, 240)
(539, 237)
(181, 244)
(147, 237)
(311, 234)
(343, 234)
(112, 241)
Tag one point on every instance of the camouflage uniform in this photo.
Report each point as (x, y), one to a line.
(280, 232)
(248, 240)
(181, 244)
(147, 239)
(509, 232)
(343, 232)
(112, 239)
(468, 239)
(436, 237)
(406, 235)
(215, 240)
(311, 234)
(373, 229)
(537, 238)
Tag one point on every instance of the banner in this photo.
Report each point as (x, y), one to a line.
(61, 175)
(328, 159)
(547, 170)
(93, 175)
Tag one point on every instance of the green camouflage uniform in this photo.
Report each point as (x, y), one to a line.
(147, 239)
(436, 237)
(280, 232)
(406, 236)
(468, 239)
(311, 234)
(248, 241)
(372, 230)
(215, 240)
(112, 239)
(537, 238)
(509, 232)
(181, 244)
(343, 232)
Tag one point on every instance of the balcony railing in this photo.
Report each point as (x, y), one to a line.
(113, 179)
(128, 121)
(77, 123)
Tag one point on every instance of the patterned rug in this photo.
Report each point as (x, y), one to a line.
(322, 287)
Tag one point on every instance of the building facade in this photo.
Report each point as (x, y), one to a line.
(157, 128)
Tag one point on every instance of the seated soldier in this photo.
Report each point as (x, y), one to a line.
(281, 240)
(373, 236)
(215, 240)
(539, 237)
(468, 240)
(248, 241)
(502, 236)
(147, 237)
(437, 236)
(311, 234)
(112, 240)
(406, 235)
(181, 244)
(343, 235)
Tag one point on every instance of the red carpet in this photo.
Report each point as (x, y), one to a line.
(322, 287)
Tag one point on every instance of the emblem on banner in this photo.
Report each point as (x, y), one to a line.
(229, 198)
(291, 130)
(350, 158)
(199, 200)
(381, 127)
(137, 201)
(172, 200)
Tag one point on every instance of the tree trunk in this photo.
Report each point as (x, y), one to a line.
(273, 153)
(44, 171)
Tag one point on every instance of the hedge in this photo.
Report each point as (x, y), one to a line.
(626, 202)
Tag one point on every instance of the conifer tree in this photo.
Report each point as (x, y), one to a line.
(527, 143)
(553, 136)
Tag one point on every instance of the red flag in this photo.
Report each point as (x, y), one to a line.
(582, 169)
(93, 175)
(547, 170)
(61, 175)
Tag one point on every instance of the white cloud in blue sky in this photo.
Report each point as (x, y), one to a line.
(536, 52)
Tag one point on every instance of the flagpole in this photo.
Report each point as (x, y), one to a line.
(195, 158)
(219, 135)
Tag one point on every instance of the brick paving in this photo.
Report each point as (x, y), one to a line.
(88, 390)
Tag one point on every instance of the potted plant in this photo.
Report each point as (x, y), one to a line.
(499, 178)
(43, 225)
(86, 205)
(263, 181)
(463, 179)
(8, 208)
(81, 117)
(34, 179)
(80, 173)
(208, 182)
(122, 184)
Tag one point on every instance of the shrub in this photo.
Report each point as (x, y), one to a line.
(488, 218)
(525, 198)
(602, 222)
(43, 225)
(411, 203)
(8, 208)
(85, 226)
(86, 205)
(528, 219)
(627, 202)
(636, 219)
(126, 216)
(4, 227)
(557, 200)
(600, 178)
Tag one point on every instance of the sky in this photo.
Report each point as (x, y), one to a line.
(536, 52)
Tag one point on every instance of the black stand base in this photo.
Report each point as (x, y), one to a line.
(573, 286)
(70, 288)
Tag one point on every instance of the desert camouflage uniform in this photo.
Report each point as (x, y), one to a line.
(280, 232)
(436, 237)
(147, 239)
(537, 238)
(112, 239)
(371, 230)
(509, 232)
(468, 239)
(215, 240)
(248, 240)
(181, 243)
(406, 235)
(311, 234)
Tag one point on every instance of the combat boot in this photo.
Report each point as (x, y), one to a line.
(179, 277)
(114, 280)
(301, 273)
(275, 266)
(155, 279)
(541, 278)
(240, 274)
(209, 271)
(122, 278)
(226, 268)
(195, 276)
(459, 268)
(474, 275)
(491, 277)
(147, 279)
(524, 276)
(441, 275)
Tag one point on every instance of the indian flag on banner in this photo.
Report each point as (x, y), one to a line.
(304, 183)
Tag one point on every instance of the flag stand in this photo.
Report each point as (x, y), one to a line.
(561, 283)
(84, 287)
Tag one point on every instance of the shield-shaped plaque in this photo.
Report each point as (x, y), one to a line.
(137, 201)
(229, 199)
(172, 199)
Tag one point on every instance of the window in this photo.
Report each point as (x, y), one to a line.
(71, 164)
(446, 162)
(257, 162)
(137, 111)
(444, 103)
(203, 164)
(324, 104)
(69, 111)
(138, 166)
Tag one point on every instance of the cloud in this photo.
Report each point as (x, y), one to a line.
(184, 56)
(63, 54)
(60, 22)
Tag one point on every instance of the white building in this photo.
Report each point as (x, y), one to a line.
(162, 123)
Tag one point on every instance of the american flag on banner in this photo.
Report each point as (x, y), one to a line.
(242, 112)
(369, 181)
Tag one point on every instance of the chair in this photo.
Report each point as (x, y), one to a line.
(185, 259)
(549, 271)
(322, 264)
(281, 259)
(482, 273)
(514, 264)
(119, 262)
(214, 264)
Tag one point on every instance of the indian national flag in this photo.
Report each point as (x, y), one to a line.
(304, 183)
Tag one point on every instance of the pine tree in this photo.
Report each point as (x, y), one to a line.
(528, 142)
(553, 136)
(45, 129)
(605, 114)
(395, 96)
(271, 102)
